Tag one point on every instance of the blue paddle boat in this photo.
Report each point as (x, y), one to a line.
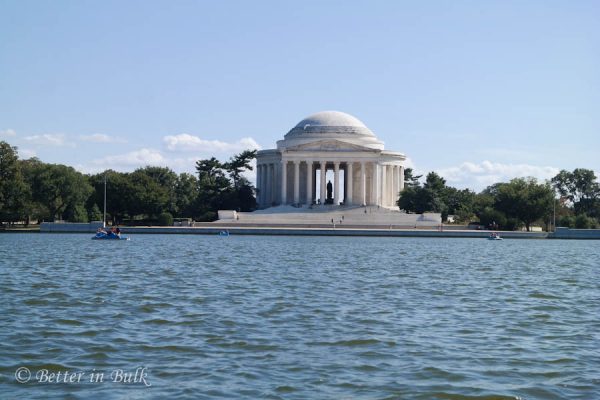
(103, 234)
(109, 236)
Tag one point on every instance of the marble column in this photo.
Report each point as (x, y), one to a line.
(391, 185)
(384, 186)
(283, 182)
(258, 184)
(270, 172)
(323, 194)
(263, 184)
(401, 184)
(348, 178)
(395, 184)
(363, 183)
(375, 186)
(296, 182)
(309, 182)
(336, 183)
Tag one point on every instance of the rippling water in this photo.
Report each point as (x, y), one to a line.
(300, 317)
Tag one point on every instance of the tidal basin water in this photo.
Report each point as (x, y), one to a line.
(282, 317)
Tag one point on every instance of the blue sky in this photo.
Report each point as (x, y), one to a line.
(480, 91)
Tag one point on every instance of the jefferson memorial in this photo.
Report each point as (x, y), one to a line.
(329, 169)
(324, 147)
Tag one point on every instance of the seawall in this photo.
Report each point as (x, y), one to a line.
(581, 234)
(214, 229)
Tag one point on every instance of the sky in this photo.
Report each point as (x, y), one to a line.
(478, 91)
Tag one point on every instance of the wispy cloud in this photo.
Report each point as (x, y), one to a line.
(7, 133)
(186, 142)
(477, 176)
(101, 138)
(135, 158)
(50, 139)
(26, 153)
(139, 158)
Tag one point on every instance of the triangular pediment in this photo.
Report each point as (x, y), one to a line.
(328, 145)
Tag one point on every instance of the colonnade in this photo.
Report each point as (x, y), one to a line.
(366, 182)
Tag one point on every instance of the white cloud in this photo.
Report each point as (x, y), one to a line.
(136, 158)
(477, 176)
(101, 138)
(7, 133)
(409, 163)
(26, 153)
(185, 142)
(49, 139)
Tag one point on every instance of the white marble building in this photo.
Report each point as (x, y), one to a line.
(361, 171)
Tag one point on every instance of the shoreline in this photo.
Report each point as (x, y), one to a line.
(312, 230)
(215, 229)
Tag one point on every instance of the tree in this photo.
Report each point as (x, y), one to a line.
(120, 196)
(524, 199)
(33, 209)
(8, 170)
(435, 196)
(59, 187)
(166, 179)
(221, 185)
(238, 164)
(417, 200)
(13, 189)
(150, 198)
(460, 203)
(186, 193)
(581, 189)
(411, 180)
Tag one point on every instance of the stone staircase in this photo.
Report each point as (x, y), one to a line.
(340, 215)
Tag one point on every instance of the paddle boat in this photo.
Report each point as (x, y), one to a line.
(224, 233)
(494, 236)
(103, 235)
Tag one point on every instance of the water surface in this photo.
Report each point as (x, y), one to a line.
(301, 317)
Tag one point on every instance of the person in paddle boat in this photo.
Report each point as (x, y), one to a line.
(101, 233)
(113, 232)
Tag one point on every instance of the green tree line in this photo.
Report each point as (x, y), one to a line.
(573, 197)
(31, 190)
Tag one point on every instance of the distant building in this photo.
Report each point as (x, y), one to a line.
(329, 141)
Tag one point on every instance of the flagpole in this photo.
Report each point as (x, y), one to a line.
(554, 213)
(104, 216)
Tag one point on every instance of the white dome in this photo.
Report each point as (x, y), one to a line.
(331, 118)
(328, 122)
(328, 126)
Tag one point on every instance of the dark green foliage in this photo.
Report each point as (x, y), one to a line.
(411, 180)
(165, 219)
(582, 221)
(567, 221)
(490, 217)
(14, 191)
(31, 189)
(94, 213)
(501, 206)
(579, 191)
(435, 196)
(524, 200)
(221, 186)
(58, 188)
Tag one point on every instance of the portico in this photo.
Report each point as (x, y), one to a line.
(329, 147)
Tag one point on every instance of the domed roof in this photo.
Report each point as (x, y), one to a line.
(329, 122)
